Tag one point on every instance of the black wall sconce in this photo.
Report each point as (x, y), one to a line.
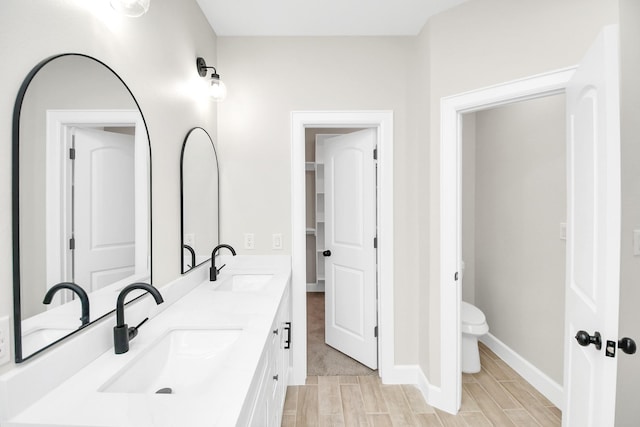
(217, 90)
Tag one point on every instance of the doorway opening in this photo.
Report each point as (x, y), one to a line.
(341, 311)
(382, 124)
(513, 234)
(593, 228)
(448, 395)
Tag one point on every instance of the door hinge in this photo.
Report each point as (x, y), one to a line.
(375, 243)
(375, 154)
(72, 243)
(375, 331)
(455, 276)
(72, 153)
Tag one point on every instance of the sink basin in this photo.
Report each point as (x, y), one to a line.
(182, 361)
(245, 283)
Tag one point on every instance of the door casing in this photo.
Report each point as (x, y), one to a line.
(382, 121)
(448, 395)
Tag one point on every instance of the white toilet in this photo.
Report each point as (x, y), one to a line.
(474, 325)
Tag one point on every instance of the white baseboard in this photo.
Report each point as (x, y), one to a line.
(401, 374)
(412, 374)
(545, 385)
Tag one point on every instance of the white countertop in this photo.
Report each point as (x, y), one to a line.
(77, 401)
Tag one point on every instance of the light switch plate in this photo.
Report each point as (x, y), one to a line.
(249, 241)
(5, 340)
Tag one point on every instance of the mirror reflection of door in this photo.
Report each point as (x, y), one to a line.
(103, 207)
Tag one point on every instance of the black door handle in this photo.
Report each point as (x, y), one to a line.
(326, 253)
(627, 345)
(584, 339)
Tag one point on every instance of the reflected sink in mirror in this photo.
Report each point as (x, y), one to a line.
(36, 338)
(182, 361)
(244, 283)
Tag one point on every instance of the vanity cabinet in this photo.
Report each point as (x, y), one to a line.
(265, 402)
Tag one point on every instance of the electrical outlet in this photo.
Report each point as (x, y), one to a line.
(277, 241)
(249, 242)
(190, 239)
(5, 340)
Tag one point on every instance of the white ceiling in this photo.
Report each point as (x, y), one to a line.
(321, 17)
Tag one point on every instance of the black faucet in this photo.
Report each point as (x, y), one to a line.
(84, 298)
(122, 333)
(213, 271)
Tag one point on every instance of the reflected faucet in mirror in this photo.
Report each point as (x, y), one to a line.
(122, 333)
(213, 271)
(84, 298)
(193, 255)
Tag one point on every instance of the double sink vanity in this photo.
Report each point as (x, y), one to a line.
(213, 354)
(211, 348)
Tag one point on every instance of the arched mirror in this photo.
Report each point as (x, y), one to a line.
(199, 198)
(81, 198)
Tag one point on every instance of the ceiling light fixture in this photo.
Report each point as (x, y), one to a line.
(218, 90)
(130, 8)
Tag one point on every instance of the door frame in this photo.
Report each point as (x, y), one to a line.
(448, 396)
(382, 121)
(58, 131)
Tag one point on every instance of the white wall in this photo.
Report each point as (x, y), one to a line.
(154, 54)
(520, 201)
(485, 42)
(627, 408)
(268, 77)
(418, 247)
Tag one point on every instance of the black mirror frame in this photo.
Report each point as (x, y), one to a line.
(182, 244)
(15, 203)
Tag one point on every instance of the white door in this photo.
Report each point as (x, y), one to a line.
(350, 229)
(593, 234)
(104, 195)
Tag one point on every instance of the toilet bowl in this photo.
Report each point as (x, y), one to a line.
(474, 325)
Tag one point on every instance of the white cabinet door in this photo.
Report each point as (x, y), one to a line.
(593, 234)
(267, 403)
(350, 229)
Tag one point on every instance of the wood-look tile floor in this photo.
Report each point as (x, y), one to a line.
(496, 396)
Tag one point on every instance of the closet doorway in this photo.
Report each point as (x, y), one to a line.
(341, 251)
(380, 124)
